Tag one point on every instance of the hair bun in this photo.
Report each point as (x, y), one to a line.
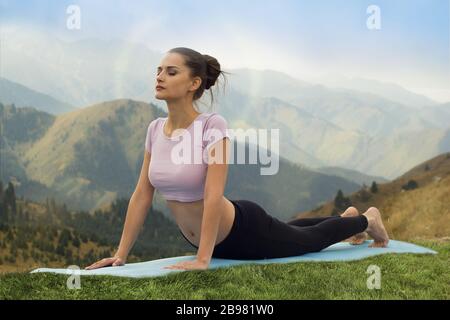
(212, 70)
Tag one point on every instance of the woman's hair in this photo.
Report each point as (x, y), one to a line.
(203, 66)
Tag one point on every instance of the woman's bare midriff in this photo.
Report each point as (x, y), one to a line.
(188, 216)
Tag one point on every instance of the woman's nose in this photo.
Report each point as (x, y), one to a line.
(159, 77)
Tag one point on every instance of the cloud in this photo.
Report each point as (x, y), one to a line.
(295, 37)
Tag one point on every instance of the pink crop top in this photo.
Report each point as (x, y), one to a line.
(176, 180)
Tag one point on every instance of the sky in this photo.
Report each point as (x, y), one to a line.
(306, 39)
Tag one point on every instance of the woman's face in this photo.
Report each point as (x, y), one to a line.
(175, 79)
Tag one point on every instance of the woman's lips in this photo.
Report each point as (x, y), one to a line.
(159, 88)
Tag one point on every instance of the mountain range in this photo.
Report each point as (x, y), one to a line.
(91, 156)
(357, 124)
(360, 130)
(415, 205)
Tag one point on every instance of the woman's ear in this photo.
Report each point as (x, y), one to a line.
(196, 82)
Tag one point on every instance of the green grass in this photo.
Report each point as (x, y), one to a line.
(403, 276)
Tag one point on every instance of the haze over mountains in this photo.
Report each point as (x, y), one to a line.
(357, 124)
(21, 96)
(379, 129)
(337, 127)
(89, 157)
(390, 91)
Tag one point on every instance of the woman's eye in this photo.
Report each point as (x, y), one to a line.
(170, 74)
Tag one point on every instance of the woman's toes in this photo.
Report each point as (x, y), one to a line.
(359, 238)
(350, 212)
(376, 228)
(379, 244)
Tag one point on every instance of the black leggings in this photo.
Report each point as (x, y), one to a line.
(257, 235)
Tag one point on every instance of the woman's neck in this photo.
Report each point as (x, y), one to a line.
(180, 115)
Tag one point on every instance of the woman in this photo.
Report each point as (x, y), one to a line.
(216, 226)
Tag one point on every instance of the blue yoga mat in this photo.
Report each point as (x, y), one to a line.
(342, 251)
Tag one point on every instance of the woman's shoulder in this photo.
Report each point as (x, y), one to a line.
(151, 128)
(215, 118)
(156, 121)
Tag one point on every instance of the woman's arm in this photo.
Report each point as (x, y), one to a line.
(214, 204)
(137, 211)
(138, 207)
(213, 207)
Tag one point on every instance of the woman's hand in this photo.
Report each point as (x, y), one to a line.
(113, 261)
(189, 265)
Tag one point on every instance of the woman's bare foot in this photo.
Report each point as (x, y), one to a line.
(358, 238)
(376, 228)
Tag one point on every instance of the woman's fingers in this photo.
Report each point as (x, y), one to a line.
(118, 262)
(101, 263)
(114, 261)
(98, 264)
(91, 266)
